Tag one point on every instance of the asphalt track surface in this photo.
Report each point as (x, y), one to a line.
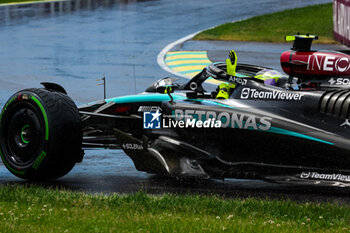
(76, 47)
(259, 53)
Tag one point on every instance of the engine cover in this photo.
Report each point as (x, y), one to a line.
(307, 65)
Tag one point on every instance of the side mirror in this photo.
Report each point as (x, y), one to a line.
(164, 85)
(165, 89)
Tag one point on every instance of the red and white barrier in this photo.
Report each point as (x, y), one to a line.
(341, 21)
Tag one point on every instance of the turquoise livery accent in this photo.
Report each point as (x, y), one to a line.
(144, 98)
(272, 129)
(164, 97)
(295, 134)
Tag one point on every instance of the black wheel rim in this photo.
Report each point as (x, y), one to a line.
(24, 135)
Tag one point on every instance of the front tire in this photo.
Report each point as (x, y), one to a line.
(40, 134)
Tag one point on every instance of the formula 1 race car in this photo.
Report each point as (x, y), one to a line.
(295, 131)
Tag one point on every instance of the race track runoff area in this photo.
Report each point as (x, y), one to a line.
(188, 63)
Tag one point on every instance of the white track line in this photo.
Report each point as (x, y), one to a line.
(162, 54)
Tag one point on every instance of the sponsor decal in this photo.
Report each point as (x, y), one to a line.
(149, 109)
(328, 63)
(191, 123)
(339, 81)
(346, 123)
(205, 119)
(22, 97)
(245, 93)
(305, 175)
(325, 176)
(132, 146)
(39, 160)
(222, 119)
(269, 95)
(238, 80)
(151, 120)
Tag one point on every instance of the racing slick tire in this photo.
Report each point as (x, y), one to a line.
(40, 134)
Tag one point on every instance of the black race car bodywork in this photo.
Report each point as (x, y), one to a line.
(297, 131)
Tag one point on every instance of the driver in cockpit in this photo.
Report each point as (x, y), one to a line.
(225, 89)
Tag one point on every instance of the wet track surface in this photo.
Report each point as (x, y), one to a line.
(259, 53)
(112, 173)
(73, 48)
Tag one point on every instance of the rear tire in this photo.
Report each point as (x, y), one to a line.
(40, 134)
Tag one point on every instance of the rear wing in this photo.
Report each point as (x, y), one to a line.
(302, 43)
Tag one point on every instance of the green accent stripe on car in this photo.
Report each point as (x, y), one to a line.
(295, 134)
(8, 166)
(45, 116)
(144, 98)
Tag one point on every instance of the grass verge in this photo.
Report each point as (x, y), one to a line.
(273, 27)
(35, 209)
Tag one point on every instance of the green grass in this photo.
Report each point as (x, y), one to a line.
(35, 209)
(273, 27)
